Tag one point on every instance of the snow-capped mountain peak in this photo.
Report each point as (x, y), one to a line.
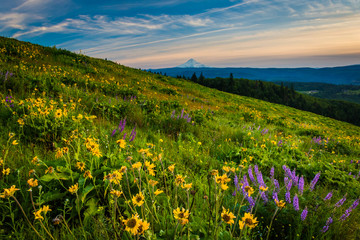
(191, 63)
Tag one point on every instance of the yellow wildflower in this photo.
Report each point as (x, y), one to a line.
(9, 192)
(74, 188)
(137, 165)
(87, 174)
(132, 224)
(157, 192)
(143, 226)
(181, 215)
(116, 193)
(33, 182)
(122, 143)
(227, 216)
(38, 214)
(15, 142)
(80, 166)
(249, 220)
(138, 199)
(171, 168)
(6, 171)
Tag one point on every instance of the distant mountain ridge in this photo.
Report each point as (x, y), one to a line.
(192, 63)
(348, 75)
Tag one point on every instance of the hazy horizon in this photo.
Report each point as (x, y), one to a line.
(159, 34)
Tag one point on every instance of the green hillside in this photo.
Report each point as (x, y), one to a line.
(91, 149)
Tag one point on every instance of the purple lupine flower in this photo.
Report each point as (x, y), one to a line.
(113, 132)
(304, 214)
(264, 131)
(301, 185)
(325, 228)
(260, 179)
(133, 134)
(124, 137)
(256, 170)
(349, 210)
(245, 181)
(272, 172)
(275, 196)
(289, 185)
(328, 196)
(280, 143)
(277, 185)
(329, 221)
(264, 197)
(122, 125)
(234, 193)
(355, 204)
(251, 176)
(189, 119)
(296, 202)
(173, 114)
(251, 201)
(341, 201)
(182, 113)
(314, 181)
(288, 197)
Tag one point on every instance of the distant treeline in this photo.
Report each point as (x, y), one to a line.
(340, 110)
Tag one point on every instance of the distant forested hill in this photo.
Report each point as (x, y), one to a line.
(340, 110)
(334, 75)
(350, 93)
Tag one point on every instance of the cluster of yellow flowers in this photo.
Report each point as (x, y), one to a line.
(92, 146)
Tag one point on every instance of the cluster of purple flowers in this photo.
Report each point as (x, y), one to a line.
(348, 211)
(9, 101)
(181, 116)
(326, 227)
(7, 75)
(121, 128)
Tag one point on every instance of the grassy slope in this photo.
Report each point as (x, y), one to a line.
(227, 128)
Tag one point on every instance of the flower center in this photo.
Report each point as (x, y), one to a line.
(226, 218)
(139, 199)
(131, 223)
(248, 221)
(181, 215)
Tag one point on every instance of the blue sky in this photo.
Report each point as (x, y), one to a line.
(222, 33)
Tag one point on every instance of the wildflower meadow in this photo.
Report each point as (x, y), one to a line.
(91, 149)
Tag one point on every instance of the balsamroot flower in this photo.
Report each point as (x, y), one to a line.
(249, 220)
(9, 192)
(132, 224)
(181, 215)
(138, 199)
(227, 216)
(74, 188)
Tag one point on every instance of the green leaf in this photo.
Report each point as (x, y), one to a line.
(85, 192)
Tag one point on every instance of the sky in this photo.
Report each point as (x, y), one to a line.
(218, 33)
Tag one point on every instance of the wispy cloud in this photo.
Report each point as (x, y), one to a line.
(248, 29)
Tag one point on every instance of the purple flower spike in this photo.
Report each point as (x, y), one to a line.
(288, 197)
(325, 228)
(113, 132)
(328, 196)
(304, 214)
(289, 185)
(272, 172)
(341, 201)
(132, 134)
(277, 185)
(275, 196)
(314, 181)
(301, 185)
(251, 176)
(296, 202)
